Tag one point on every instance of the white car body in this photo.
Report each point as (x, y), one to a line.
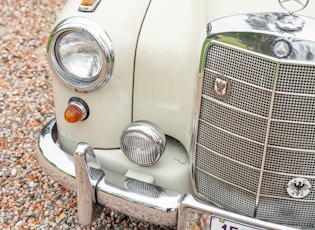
(157, 48)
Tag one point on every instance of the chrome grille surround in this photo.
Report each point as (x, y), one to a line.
(247, 147)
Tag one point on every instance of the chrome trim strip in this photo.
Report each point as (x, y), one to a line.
(57, 158)
(291, 149)
(286, 198)
(195, 123)
(190, 202)
(110, 191)
(296, 94)
(265, 23)
(263, 160)
(293, 122)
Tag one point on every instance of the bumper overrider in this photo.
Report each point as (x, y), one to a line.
(82, 173)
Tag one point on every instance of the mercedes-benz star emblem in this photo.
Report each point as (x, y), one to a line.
(291, 22)
(298, 188)
(281, 48)
(293, 6)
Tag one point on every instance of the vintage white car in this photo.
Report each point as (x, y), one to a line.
(194, 113)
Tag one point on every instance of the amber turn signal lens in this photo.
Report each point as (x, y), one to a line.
(87, 2)
(77, 110)
(73, 113)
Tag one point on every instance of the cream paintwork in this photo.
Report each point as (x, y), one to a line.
(172, 171)
(166, 70)
(165, 79)
(167, 66)
(110, 107)
(168, 57)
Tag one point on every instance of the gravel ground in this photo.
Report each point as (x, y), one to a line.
(29, 198)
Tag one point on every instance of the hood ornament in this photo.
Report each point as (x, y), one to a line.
(291, 22)
(293, 6)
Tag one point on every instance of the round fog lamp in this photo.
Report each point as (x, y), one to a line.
(143, 142)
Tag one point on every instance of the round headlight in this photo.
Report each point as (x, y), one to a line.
(143, 142)
(81, 54)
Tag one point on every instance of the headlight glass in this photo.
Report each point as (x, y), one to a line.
(80, 56)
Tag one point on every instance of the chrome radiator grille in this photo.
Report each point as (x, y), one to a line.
(251, 144)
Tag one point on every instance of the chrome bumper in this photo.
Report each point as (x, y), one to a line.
(96, 186)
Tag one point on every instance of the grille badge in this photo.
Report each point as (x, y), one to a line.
(221, 87)
(298, 188)
(281, 48)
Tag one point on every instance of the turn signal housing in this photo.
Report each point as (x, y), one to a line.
(77, 110)
(87, 2)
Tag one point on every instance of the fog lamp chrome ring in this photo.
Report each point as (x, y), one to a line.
(143, 142)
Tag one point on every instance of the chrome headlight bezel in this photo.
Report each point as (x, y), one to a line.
(96, 33)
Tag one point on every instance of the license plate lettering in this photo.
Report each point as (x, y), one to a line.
(226, 227)
(218, 223)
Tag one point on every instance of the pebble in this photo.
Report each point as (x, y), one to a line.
(29, 198)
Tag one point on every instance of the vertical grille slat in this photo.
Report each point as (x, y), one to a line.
(232, 132)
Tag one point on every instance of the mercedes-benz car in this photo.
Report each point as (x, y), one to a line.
(198, 114)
